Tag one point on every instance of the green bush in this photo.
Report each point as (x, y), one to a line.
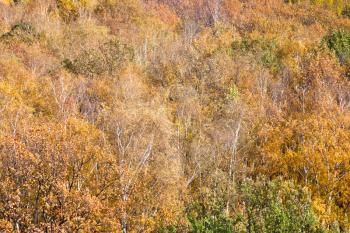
(116, 54)
(234, 92)
(266, 51)
(339, 43)
(89, 63)
(266, 207)
(209, 220)
(108, 58)
(23, 32)
(278, 207)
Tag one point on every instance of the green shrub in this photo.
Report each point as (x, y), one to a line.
(266, 51)
(278, 207)
(234, 92)
(89, 63)
(116, 54)
(266, 207)
(108, 58)
(339, 43)
(209, 220)
(23, 32)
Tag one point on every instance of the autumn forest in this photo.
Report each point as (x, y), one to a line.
(175, 116)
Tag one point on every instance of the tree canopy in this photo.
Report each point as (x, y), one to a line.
(175, 116)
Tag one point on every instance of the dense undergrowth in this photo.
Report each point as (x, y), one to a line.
(174, 116)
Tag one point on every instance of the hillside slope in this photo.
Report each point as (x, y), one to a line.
(174, 116)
